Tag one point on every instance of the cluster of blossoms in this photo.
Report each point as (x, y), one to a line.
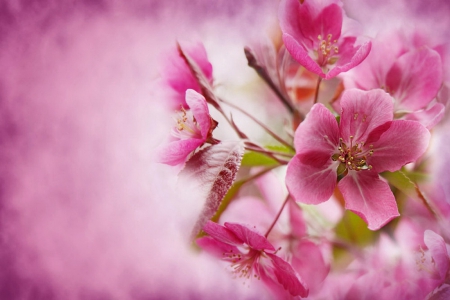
(382, 232)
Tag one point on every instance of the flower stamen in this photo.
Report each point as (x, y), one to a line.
(354, 156)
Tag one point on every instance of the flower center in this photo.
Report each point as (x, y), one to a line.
(353, 156)
(243, 264)
(326, 50)
(187, 126)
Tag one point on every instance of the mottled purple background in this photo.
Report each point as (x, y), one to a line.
(84, 213)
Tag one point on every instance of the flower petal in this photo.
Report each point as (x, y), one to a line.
(404, 142)
(436, 245)
(198, 53)
(308, 261)
(176, 73)
(300, 54)
(200, 111)
(315, 20)
(217, 248)
(318, 132)
(415, 79)
(250, 237)
(222, 233)
(362, 112)
(369, 197)
(428, 117)
(176, 152)
(351, 57)
(440, 293)
(308, 182)
(287, 277)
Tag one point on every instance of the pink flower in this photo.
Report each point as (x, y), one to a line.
(194, 128)
(251, 255)
(178, 77)
(411, 75)
(312, 34)
(366, 142)
(289, 232)
(440, 258)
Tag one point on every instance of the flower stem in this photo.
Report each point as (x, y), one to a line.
(427, 203)
(278, 215)
(316, 96)
(253, 63)
(273, 134)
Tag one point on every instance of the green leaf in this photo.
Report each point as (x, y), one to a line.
(353, 229)
(401, 181)
(280, 148)
(253, 159)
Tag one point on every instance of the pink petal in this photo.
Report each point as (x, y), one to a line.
(350, 57)
(287, 277)
(298, 224)
(216, 248)
(250, 237)
(438, 249)
(251, 209)
(177, 74)
(369, 197)
(318, 132)
(288, 16)
(221, 233)
(311, 183)
(371, 73)
(200, 111)
(441, 293)
(300, 54)
(415, 79)
(402, 143)
(362, 112)
(176, 152)
(198, 53)
(429, 117)
(308, 261)
(328, 21)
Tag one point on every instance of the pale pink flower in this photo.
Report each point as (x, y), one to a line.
(194, 128)
(178, 77)
(312, 33)
(439, 263)
(366, 142)
(251, 256)
(412, 75)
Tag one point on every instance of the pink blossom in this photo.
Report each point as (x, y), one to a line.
(290, 230)
(440, 259)
(312, 33)
(194, 128)
(411, 74)
(366, 142)
(177, 75)
(251, 255)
